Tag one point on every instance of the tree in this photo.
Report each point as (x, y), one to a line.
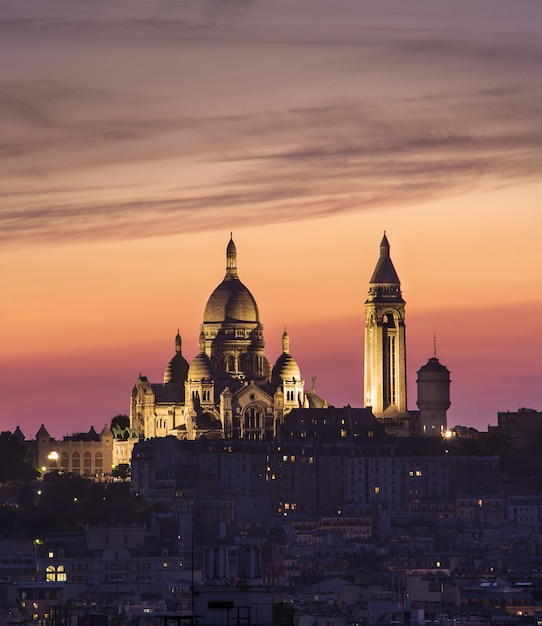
(121, 421)
(13, 466)
(122, 471)
(120, 426)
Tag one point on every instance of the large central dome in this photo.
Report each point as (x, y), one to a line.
(231, 301)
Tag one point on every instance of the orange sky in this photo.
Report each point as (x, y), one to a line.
(137, 136)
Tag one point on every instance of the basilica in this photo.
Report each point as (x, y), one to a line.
(231, 390)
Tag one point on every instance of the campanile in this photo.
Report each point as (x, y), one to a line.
(385, 350)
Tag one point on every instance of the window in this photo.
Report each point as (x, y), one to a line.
(64, 461)
(53, 575)
(87, 463)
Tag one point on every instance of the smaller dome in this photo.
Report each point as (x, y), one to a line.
(176, 370)
(286, 368)
(201, 368)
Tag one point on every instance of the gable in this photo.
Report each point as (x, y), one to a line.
(251, 393)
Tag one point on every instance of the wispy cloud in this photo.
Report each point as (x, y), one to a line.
(223, 112)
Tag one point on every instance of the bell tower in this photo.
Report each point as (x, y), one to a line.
(385, 351)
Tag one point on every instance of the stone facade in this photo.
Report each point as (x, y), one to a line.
(87, 454)
(230, 389)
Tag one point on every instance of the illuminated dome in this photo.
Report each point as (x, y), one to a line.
(177, 369)
(202, 367)
(286, 367)
(231, 301)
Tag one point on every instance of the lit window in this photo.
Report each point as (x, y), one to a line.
(61, 574)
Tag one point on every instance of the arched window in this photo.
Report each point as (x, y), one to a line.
(64, 461)
(388, 320)
(253, 418)
(231, 363)
(87, 463)
(76, 463)
(99, 462)
(53, 575)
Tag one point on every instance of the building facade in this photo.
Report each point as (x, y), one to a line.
(89, 454)
(230, 389)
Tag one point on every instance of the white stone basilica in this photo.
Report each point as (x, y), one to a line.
(230, 388)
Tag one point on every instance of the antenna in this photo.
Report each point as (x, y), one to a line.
(435, 344)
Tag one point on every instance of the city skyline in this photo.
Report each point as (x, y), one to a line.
(138, 136)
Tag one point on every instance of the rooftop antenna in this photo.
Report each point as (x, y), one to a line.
(434, 344)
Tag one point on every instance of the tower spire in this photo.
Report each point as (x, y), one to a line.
(384, 246)
(384, 276)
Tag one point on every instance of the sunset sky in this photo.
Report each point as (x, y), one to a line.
(136, 134)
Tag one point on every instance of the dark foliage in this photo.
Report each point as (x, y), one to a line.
(13, 467)
(65, 502)
(121, 421)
